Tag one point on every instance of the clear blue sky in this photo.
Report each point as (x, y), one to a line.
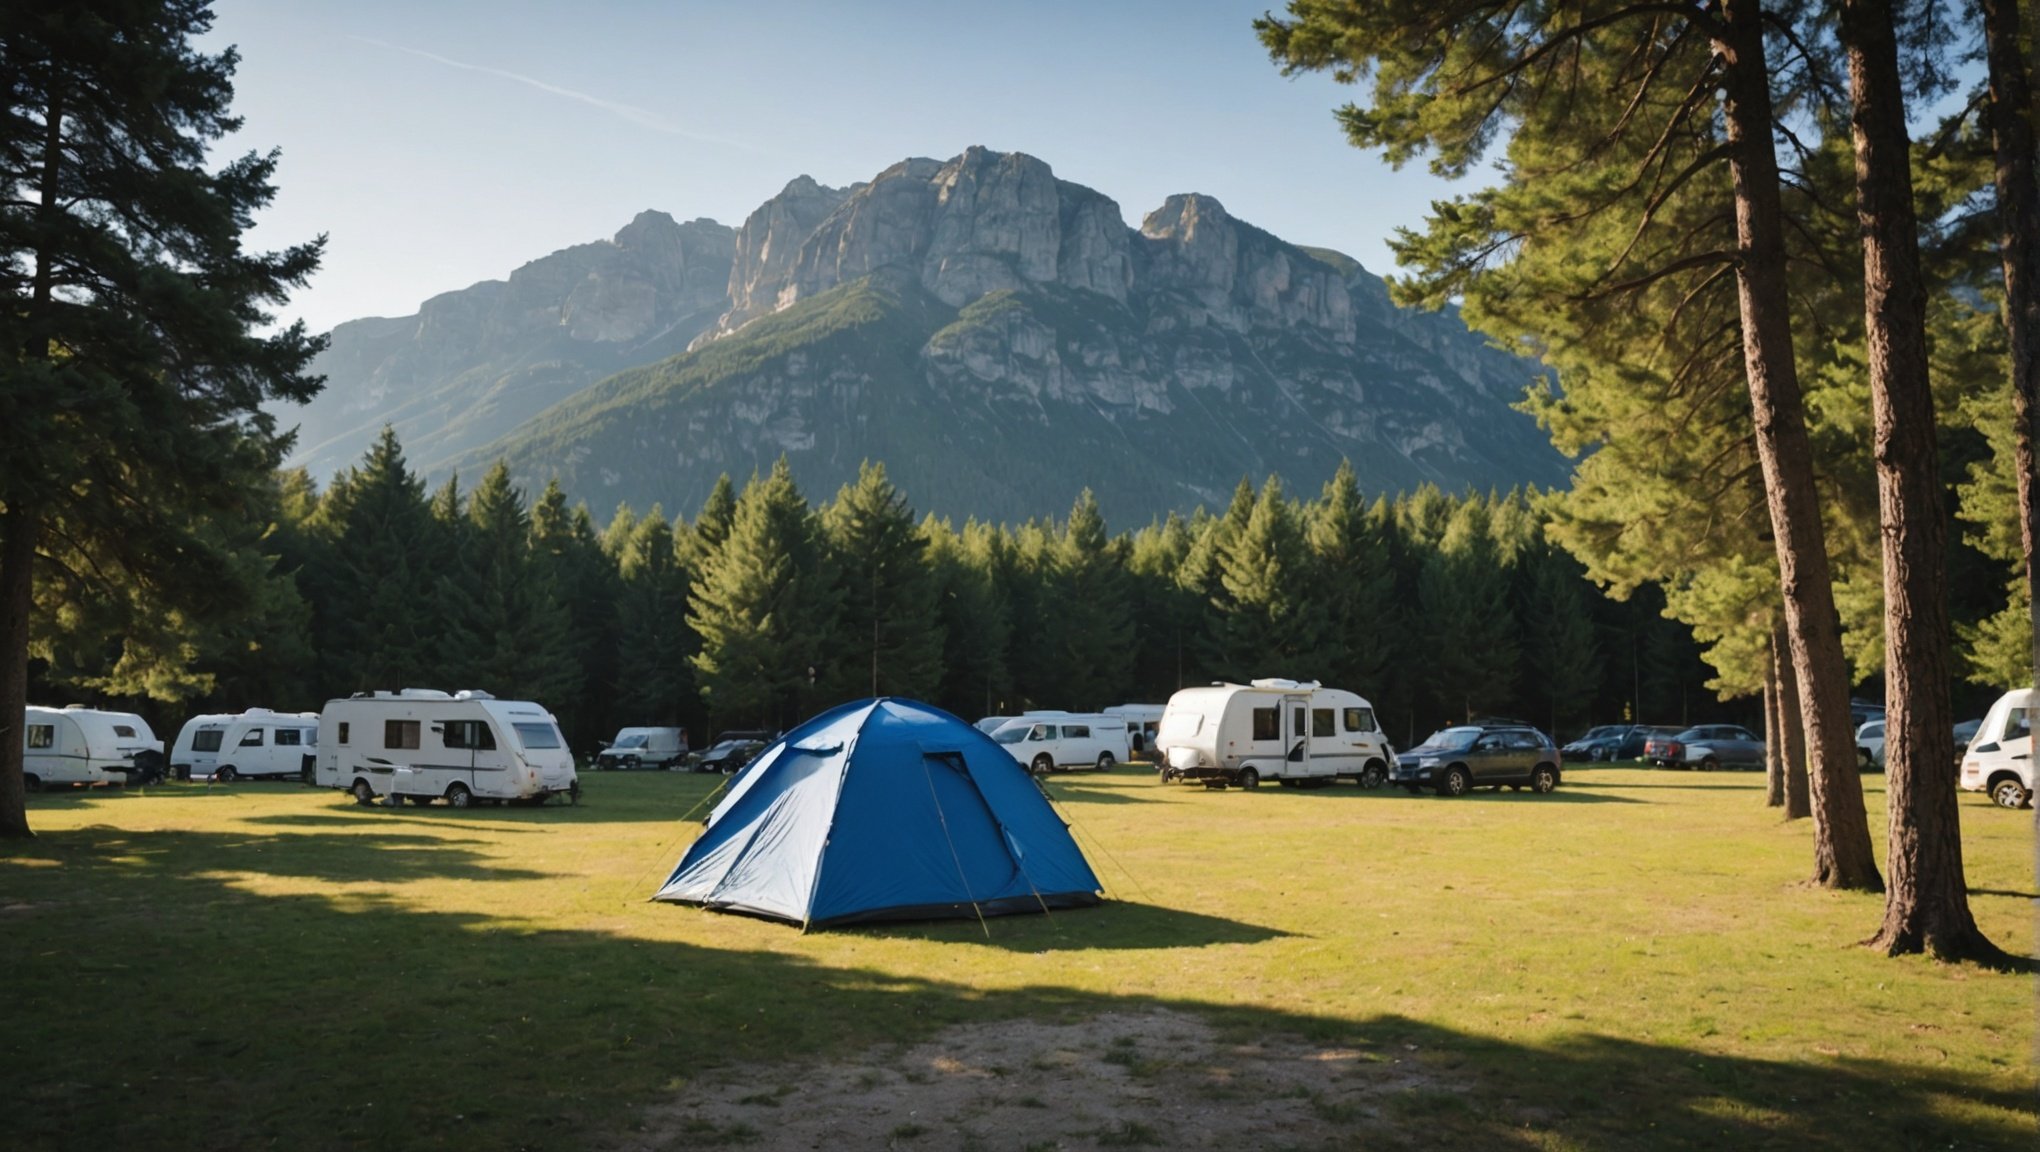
(444, 143)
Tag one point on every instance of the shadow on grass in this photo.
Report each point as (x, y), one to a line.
(1076, 790)
(140, 985)
(1567, 793)
(1114, 925)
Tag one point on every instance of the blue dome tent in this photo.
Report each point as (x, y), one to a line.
(883, 809)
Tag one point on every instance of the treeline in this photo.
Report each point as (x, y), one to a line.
(761, 608)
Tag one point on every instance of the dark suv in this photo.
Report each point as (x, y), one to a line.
(1454, 761)
(731, 751)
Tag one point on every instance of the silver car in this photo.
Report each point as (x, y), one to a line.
(1870, 745)
(1709, 746)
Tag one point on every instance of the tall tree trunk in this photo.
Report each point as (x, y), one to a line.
(1926, 907)
(17, 586)
(1792, 749)
(1842, 854)
(2018, 197)
(1774, 734)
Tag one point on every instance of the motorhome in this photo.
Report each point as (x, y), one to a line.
(1999, 759)
(245, 745)
(80, 745)
(1045, 741)
(421, 745)
(1292, 731)
(644, 748)
(1143, 723)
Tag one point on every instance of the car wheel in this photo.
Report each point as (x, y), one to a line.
(1105, 761)
(1374, 775)
(1456, 782)
(1543, 779)
(227, 775)
(1043, 765)
(363, 793)
(1709, 763)
(459, 796)
(1249, 778)
(2009, 793)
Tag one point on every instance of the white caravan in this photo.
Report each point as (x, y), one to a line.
(245, 745)
(1999, 760)
(1143, 724)
(1045, 741)
(644, 748)
(1242, 734)
(79, 745)
(421, 745)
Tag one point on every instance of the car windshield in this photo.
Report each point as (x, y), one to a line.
(535, 735)
(1455, 739)
(634, 740)
(1013, 734)
(1691, 734)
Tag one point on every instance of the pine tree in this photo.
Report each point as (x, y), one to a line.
(1471, 646)
(568, 565)
(1352, 576)
(975, 625)
(887, 642)
(381, 633)
(507, 630)
(1559, 664)
(138, 341)
(1088, 637)
(764, 608)
(657, 646)
(1265, 622)
(1167, 617)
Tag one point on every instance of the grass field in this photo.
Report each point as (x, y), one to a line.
(1631, 962)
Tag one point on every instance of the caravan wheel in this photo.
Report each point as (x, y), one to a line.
(1043, 765)
(1105, 761)
(1374, 775)
(363, 794)
(227, 775)
(1249, 778)
(459, 796)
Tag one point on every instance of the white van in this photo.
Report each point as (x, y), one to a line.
(245, 745)
(644, 748)
(2000, 758)
(1143, 724)
(421, 745)
(80, 745)
(1242, 734)
(1045, 741)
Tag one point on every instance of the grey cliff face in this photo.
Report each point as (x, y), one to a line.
(999, 336)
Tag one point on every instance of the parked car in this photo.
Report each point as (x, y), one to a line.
(1870, 745)
(2000, 758)
(1707, 747)
(1047, 741)
(1454, 761)
(1633, 741)
(1598, 743)
(1861, 712)
(729, 753)
(1965, 734)
(644, 748)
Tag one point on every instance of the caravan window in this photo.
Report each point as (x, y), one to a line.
(1359, 719)
(207, 739)
(253, 739)
(1267, 723)
(1179, 725)
(343, 731)
(1077, 731)
(289, 736)
(400, 734)
(125, 730)
(474, 734)
(1321, 722)
(537, 735)
(42, 735)
(2018, 725)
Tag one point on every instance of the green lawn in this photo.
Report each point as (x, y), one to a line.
(1631, 962)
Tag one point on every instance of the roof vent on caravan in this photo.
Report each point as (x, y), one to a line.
(422, 694)
(1296, 685)
(473, 694)
(74, 707)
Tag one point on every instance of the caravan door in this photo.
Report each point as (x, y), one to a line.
(1296, 759)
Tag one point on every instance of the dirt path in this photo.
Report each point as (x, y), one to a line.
(1156, 1079)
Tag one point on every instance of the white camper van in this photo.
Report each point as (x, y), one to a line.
(1045, 741)
(422, 745)
(1999, 760)
(1242, 734)
(644, 748)
(245, 745)
(79, 745)
(1143, 724)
